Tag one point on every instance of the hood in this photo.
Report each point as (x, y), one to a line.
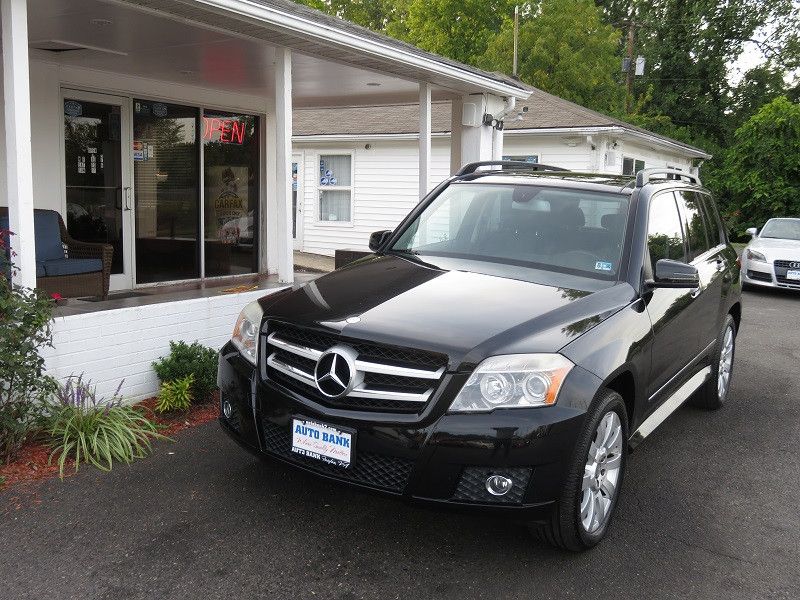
(466, 315)
(790, 248)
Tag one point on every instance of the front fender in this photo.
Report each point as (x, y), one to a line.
(623, 342)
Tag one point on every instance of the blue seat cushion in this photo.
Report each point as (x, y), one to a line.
(72, 266)
(47, 232)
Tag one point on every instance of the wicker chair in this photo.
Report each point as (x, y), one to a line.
(64, 265)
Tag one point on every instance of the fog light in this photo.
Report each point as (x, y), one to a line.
(497, 485)
(227, 410)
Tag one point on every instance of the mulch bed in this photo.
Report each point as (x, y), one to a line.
(31, 464)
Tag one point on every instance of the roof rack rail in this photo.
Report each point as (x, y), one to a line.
(644, 176)
(518, 164)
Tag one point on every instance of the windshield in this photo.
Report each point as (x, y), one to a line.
(785, 229)
(563, 230)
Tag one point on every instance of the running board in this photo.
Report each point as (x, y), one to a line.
(669, 406)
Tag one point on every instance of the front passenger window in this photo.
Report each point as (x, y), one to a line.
(695, 224)
(664, 233)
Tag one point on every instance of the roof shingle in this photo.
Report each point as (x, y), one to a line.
(545, 111)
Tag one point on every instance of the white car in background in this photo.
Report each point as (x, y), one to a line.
(772, 258)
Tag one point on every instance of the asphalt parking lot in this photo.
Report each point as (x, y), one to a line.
(709, 509)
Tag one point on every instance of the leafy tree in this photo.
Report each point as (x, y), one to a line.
(761, 174)
(565, 49)
(759, 86)
(688, 46)
(458, 29)
(373, 14)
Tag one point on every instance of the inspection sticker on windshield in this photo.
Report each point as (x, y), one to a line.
(322, 442)
(602, 265)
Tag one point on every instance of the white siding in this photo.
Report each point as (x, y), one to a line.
(385, 189)
(572, 153)
(652, 157)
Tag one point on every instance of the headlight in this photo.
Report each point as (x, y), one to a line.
(513, 381)
(753, 255)
(245, 333)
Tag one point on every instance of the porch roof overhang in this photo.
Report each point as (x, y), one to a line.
(231, 44)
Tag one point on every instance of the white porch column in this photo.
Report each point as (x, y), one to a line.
(283, 158)
(477, 139)
(19, 168)
(456, 116)
(424, 138)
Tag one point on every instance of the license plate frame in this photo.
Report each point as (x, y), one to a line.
(313, 441)
(793, 275)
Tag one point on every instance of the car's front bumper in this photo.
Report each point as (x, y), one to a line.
(766, 274)
(431, 457)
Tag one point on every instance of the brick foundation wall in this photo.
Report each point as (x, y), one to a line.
(111, 345)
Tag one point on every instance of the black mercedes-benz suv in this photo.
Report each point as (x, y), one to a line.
(503, 349)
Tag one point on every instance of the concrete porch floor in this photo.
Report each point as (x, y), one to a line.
(172, 293)
(306, 261)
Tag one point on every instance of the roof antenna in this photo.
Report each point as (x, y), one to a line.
(516, 41)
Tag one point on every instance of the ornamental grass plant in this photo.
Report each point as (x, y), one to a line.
(95, 430)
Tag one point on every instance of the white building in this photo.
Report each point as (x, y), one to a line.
(163, 128)
(374, 152)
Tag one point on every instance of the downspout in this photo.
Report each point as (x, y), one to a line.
(511, 103)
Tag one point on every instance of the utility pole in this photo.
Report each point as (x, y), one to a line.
(631, 68)
(516, 41)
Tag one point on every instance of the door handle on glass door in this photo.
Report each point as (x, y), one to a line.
(127, 192)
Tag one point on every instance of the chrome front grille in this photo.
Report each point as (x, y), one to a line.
(781, 269)
(385, 377)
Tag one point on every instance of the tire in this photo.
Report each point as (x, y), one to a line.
(711, 396)
(565, 527)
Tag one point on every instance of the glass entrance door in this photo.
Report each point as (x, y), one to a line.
(97, 176)
(167, 191)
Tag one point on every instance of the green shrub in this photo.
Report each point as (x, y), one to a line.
(190, 359)
(176, 394)
(96, 430)
(25, 317)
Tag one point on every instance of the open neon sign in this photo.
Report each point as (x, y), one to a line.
(227, 131)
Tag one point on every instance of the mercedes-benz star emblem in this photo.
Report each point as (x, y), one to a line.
(335, 373)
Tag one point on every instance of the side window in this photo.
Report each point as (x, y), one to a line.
(716, 230)
(664, 232)
(695, 224)
(631, 166)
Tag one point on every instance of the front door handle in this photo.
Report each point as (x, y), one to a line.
(127, 192)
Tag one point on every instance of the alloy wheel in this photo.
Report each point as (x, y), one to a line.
(601, 473)
(725, 363)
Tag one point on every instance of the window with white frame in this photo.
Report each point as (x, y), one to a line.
(335, 188)
(631, 166)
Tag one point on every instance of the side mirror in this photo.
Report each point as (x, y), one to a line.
(751, 231)
(675, 274)
(377, 239)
